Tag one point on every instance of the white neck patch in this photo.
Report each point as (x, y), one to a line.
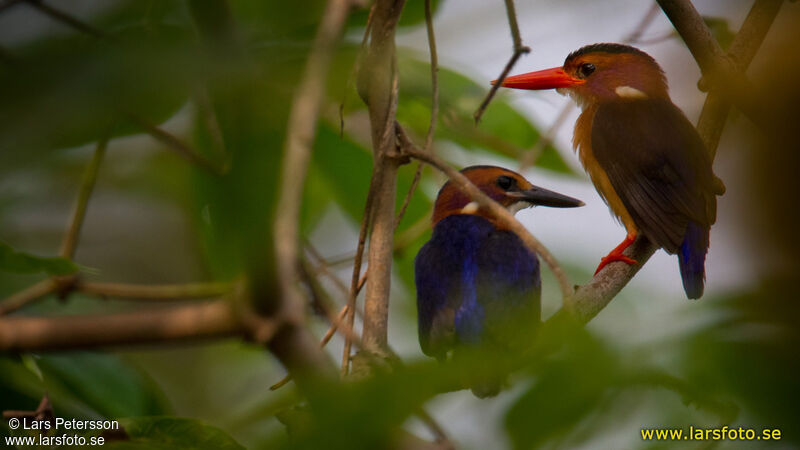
(517, 207)
(470, 208)
(629, 92)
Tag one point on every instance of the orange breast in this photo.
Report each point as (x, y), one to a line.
(582, 143)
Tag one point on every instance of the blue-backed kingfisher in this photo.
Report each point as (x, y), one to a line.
(643, 155)
(478, 286)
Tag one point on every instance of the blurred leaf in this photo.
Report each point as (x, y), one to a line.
(721, 30)
(502, 130)
(68, 91)
(105, 383)
(341, 170)
(756, 339)
(19, 262)
(172, 433)
(568, 386)
(413, 14)
(87, 385)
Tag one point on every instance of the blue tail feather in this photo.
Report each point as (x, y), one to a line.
(692, 259)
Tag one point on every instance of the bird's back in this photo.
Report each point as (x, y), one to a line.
(477, 286)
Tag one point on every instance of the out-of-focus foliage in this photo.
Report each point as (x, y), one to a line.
(157, 218)
(721, 30)
(19, 262)
(504, 131)
(172, 432)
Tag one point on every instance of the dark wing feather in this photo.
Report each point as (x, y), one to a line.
(508, 291)
(657, 165)
(444, 272)
(436, 292)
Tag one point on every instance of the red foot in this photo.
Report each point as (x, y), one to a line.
(616, 254)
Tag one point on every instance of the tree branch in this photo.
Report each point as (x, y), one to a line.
(31, 293)
(742, 50)
(179, 147)
(434, 109)
(207, 320)
(85, 192)
(61, 16)
(718, 69)
(377, 86)
(519, 50)
(299, 139)
(354, 280)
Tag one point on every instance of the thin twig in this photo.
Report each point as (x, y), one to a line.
(69, 20)
(519, 50)
(529, 157)
(8, 4)
(181, 148)
(355, 69)
(648, 19)
(72, 235)
(322, 343)
(299, 139)
(31, 293)
(70, 241)
(494, 208)
(354, 280)
(434, 110)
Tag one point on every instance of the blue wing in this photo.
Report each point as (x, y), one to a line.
(475, 284)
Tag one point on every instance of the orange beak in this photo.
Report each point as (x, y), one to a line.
(543, 79)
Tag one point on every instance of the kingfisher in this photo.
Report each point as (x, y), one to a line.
(645, 158)
(478, 286)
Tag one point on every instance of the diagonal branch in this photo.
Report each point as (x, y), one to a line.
(87, 185)
(299, 139)
(742, 50)
(69, 20)
(519, 50)
(719, 70)
(181, 148)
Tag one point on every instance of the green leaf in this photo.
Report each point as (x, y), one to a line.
(105, 383)
(569, 385)
(20, 262)
(721, 30)
(341, 170)
(72, 90)
(413, 14)
(172, 433)
(502, 130)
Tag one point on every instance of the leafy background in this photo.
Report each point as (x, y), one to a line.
(652, 359)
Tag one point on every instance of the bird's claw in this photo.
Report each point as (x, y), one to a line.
(613, 257)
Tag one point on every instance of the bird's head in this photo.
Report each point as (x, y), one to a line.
(506, 187)
(599, 73)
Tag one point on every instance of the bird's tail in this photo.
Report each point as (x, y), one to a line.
(692, 259)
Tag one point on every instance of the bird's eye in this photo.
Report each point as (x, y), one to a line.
(505, 182)
(585, 69)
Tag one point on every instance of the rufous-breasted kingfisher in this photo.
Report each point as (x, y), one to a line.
(643, 155)
(478, 286)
